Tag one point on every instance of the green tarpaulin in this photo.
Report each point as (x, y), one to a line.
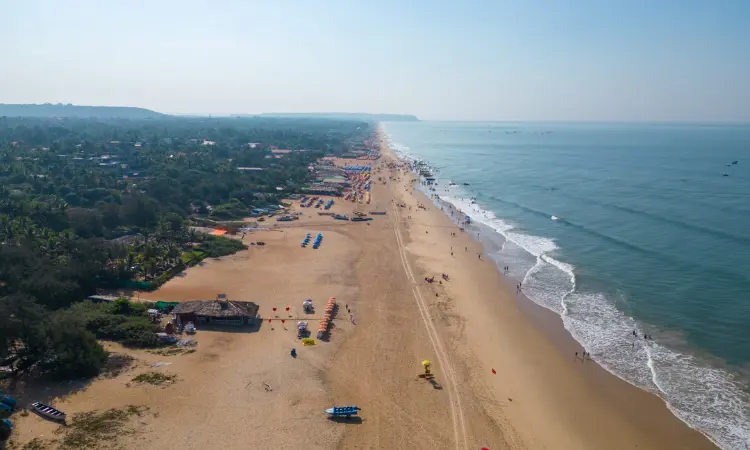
(165, 306)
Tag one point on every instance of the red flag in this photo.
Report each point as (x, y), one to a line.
(283, 321)
(274, 309)
(269, 320)
(493, 372)
(287, 308)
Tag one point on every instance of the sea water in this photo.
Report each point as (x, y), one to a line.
(619, 228)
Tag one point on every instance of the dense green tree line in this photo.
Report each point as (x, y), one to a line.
(88, 204)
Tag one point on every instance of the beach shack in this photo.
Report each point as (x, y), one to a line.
(217, 312)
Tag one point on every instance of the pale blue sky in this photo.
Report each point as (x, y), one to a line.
(464, 60)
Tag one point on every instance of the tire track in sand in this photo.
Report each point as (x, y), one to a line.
(457, 414)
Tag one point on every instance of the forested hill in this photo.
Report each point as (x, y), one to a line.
(349, 116)
(61, 110)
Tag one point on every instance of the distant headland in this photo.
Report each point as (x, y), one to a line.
(130, 112)
(348, 116)
(68, 110)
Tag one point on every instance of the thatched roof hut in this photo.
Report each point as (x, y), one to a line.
(229, 312)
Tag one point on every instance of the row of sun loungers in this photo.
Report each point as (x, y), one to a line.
(316, 242)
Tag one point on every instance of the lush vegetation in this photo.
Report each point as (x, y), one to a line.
(122, 321)
(89, 204)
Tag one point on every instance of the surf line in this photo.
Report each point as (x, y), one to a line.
(459, 426)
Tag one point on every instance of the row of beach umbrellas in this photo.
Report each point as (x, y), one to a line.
(325, 322)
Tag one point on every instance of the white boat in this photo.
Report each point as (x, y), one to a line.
(48, 412)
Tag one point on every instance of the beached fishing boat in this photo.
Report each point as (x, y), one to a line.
(6, 427)
(48, 412)
(8, 401)
(343, 411)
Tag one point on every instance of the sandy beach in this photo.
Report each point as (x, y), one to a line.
(506, 374)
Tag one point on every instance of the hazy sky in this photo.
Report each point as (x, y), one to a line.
(464, 60)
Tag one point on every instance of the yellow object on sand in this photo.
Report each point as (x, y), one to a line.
(308, 341)
(426, 363)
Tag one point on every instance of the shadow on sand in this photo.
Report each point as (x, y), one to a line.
(355, 420)
(254, 328)
(27, 389)
(436, 385)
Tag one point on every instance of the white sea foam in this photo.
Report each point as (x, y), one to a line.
(706, 398)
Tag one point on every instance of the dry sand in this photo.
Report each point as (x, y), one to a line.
(540, 396)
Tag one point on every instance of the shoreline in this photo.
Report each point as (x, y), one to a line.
(640, 403)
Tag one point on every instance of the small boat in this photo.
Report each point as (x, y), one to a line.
(48, 412)
(9, 401)
(6, 427)
(343, 411)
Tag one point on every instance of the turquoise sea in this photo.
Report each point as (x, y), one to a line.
(620, 228)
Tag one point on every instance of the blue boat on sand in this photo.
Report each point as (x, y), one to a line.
(343, 411)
